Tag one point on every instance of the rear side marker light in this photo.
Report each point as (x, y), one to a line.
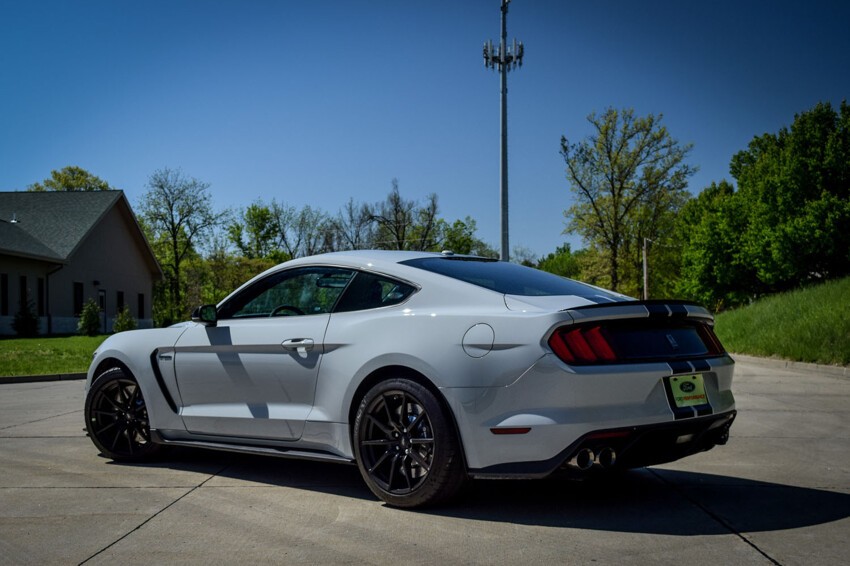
(513, 430)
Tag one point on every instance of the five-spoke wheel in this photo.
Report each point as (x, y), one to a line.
(406, 446)
(117, 418)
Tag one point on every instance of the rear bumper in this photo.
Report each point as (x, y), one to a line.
(561, 407)
(623, 448)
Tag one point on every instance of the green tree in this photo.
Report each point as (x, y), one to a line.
(562, 262)
(25, 322)
(89, 323)
(628, 180)
(124, 321)
(177, 212)
(788, 222)
(71, 178)
(715, 271)
(460, 238)
(256, 233)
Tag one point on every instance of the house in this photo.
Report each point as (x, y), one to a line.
(60, 249)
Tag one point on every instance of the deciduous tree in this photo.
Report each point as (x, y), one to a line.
(71, 178)
(178, 213)
(628, 180)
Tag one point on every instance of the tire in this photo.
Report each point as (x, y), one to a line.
(406, 446)
(117, 418)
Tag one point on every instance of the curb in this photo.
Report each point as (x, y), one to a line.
(38, 378)
(838, 371)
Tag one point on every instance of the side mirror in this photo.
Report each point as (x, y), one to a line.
(206, 315)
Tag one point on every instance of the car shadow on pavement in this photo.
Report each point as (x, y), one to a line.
(650, 500)
(653, 501)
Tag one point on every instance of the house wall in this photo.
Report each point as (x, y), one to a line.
(13, 268)
(109, 260)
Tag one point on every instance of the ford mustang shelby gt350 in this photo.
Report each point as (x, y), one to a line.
(424, 369)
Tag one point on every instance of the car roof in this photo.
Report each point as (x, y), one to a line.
(368, 259)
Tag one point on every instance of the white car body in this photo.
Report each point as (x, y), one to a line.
(292, 385)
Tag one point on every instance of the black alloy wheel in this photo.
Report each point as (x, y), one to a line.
(405, 445)
(117, 418)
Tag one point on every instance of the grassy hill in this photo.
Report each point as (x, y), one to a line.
(809, 325)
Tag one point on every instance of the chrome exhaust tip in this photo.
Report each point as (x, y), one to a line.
(607, 457)
(583, 460)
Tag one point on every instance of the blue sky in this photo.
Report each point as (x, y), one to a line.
(314, 102)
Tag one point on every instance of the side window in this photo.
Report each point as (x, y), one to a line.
(370, 291)
(294, 292)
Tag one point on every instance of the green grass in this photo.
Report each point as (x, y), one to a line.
(809, 325)
(45, 356)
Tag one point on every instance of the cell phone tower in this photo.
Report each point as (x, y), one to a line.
(506, 57)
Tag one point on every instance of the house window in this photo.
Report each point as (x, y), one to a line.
(4, 294)
(40, 302)
(119, 301)
(78, 298)
(141, 306)
(101, 299)
(23, 295)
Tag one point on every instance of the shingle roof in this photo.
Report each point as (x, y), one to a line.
(50, 225)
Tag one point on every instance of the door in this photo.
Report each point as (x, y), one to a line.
(253, 374)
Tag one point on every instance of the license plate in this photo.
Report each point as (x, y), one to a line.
(688, 390)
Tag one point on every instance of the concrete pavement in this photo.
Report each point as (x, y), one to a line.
(778, 493)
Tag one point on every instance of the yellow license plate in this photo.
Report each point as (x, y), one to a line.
(688, 390)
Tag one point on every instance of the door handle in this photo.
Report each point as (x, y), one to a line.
(299, 344)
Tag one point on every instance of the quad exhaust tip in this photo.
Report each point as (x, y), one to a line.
(583, 460)
(607, 457)
(587, 458)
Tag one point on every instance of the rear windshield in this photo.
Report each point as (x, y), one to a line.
(507, 278)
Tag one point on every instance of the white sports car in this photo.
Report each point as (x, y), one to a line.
(424, 369)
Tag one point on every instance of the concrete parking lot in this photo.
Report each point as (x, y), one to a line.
(778, 493)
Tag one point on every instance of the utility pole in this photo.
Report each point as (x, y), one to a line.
(507, 57)
(645, 272)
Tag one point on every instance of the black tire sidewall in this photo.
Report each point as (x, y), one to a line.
(446, 474)
(148, 451)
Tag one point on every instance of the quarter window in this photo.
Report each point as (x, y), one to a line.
(370, 291)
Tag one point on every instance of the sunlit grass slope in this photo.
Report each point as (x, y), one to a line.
(809, 325)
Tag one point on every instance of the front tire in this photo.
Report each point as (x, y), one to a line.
(406, 446)
(117, 418)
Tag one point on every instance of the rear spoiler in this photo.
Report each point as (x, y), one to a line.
(656, 309)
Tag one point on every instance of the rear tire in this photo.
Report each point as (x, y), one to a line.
(117, 418)
(406, 445)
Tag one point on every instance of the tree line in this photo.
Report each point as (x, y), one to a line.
(785, 222)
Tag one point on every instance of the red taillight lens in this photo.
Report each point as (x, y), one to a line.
(710, 339)
(583, 345)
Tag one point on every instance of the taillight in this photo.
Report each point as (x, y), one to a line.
(615, 342)
(583, 345)
(710, 339)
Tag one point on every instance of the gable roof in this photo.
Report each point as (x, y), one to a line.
(51, 225)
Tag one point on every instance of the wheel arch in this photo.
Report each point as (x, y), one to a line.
(395, 371)
(107, 364)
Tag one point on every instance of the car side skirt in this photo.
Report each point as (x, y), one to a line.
(238, 445)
